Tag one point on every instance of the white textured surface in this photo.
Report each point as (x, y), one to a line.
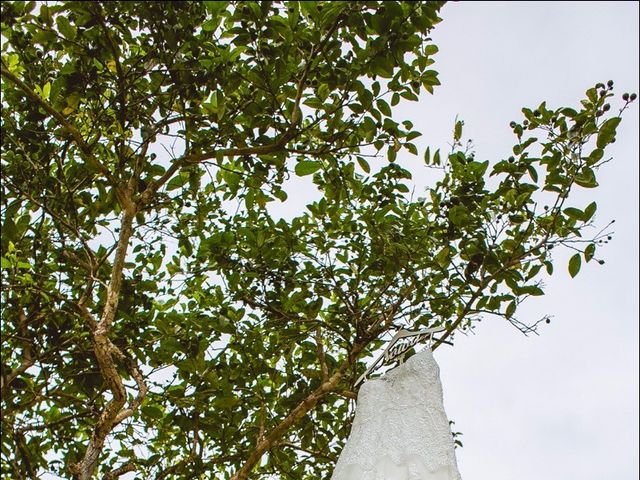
(400, 431)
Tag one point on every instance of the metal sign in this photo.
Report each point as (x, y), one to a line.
(398, 347)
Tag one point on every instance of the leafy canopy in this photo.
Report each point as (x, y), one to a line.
(158, 316)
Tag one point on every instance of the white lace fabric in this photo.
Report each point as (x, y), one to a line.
(400, 430)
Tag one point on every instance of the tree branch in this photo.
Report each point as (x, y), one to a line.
(298, 412)
(195, 158)
(105, 352)
(126, 468)
(481, 287)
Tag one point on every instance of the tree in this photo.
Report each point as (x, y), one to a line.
(158, 317)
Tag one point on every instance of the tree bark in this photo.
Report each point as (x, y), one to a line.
(106, 352)
(297, 413)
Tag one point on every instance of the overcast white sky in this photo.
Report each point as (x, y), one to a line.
(563, 405)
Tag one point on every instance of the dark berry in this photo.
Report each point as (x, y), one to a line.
(633, 96)
(536, 113)
(610, 83)
(601, 262)
(625, 97)
(548, 320)
(512, 124)
(606, 107)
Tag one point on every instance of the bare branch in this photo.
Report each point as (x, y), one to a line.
(126, 468)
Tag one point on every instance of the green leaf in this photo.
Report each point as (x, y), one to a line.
(215, 7)
(225, 402)
(392, 153)
(307, 167)
(589, 211)
(280, 194)
(430, 49)
(532, 290)
(457, 131)
(586, 179)
(442, 258)
(363, 164)
(459, 215)
(589, 252)
(384, 107)
(412, 136)
(548, 267)
(436, 158)
(152, 411)
(67, 30)
(323, 92)
(574, 265)
(574, 213)
(595, 156)
(607, 132)
(220, 103)
(175, 183)
(46, 91)
(210, 24)
(511, 309)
